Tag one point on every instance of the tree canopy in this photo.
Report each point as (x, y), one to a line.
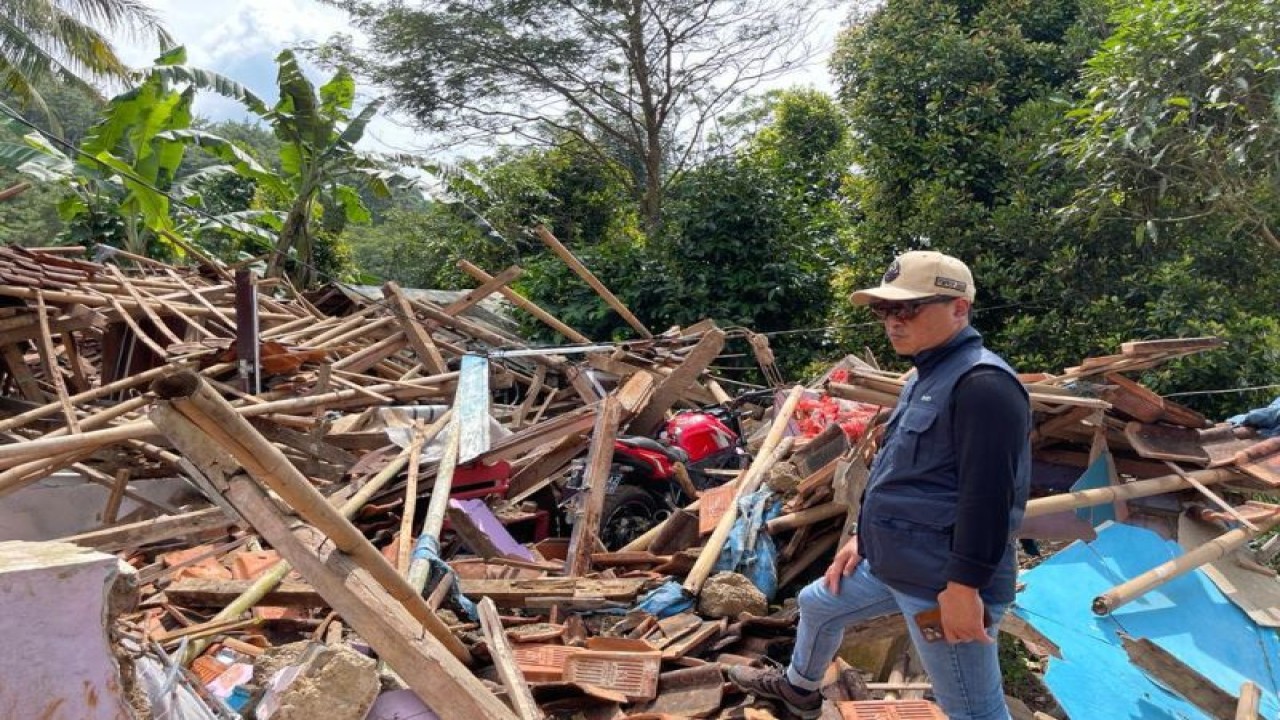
(638, 83)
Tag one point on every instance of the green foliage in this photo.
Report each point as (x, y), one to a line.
(45, 42)
(636, 82)
(1180, 119)
(320, 170)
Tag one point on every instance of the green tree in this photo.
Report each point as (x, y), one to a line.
(320, 168)
(1180, 117)
(636, 82)
(961, 110)
(42, 40)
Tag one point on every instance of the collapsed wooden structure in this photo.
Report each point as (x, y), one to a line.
(276, 407)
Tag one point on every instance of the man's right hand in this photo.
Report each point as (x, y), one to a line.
(845, 562)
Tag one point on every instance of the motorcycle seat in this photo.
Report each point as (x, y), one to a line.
(676, 454)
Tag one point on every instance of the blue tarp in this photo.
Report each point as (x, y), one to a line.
(1266, 420)
(749, 550)
(1187, 616)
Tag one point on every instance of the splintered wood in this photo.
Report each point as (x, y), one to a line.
(372, 460)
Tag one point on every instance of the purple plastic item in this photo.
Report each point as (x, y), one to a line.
(489, 524)
(400, 705)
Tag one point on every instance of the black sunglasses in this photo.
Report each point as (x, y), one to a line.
(907, 310)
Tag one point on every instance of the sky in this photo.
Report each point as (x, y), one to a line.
(240, 39)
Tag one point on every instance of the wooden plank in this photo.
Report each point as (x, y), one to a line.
(599, 458)
(193, 592)
(504, 661)
(419, 339)
(648, 420)
(516, 592)
(1183, 679)
(1146, 347)
(22, 376)
(1250, 699)
(430, 670)
(146, 532)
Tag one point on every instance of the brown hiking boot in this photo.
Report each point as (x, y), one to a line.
(772, 683)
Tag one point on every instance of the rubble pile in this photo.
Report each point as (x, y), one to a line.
(397, 506)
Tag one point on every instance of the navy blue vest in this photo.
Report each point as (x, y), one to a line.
(909, 507)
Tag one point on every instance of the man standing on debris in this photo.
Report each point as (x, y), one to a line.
(946, 492)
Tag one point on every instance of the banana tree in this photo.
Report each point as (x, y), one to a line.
(318, 131)
(126, 166)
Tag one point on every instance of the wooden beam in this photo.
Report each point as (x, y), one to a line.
(524, 303)
(419, 339)
(202, 407)
(581, 270)
(487, 288)
(146, 532)
(669, 389)
(599, 460)
(427, 666)
(504, 661)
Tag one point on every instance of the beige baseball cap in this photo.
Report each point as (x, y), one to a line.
(919, 274)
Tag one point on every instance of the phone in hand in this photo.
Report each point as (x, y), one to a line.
(930, 623)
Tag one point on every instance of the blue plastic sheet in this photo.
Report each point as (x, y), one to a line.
(428, 548)
(666, 600)
(1266, 420)
(749, 550)
(1187, 616)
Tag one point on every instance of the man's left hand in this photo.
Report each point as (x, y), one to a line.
(962, 614)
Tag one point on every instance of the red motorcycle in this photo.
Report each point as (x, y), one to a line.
(643, 490)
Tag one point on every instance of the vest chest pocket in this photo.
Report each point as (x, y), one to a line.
(914, 423)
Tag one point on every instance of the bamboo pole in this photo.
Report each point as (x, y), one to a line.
(581, 270)
(1138, 488)
(428, 540)
(810, 516)
(53, 444)
(190, 396)
(773, 449)
(1219, 547)
(404, 547)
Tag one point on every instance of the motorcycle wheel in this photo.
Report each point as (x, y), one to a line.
(629, 512)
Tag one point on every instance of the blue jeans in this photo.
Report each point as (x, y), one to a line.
(965, 676)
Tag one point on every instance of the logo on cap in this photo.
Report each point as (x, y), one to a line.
(892, 273)
(944, 282)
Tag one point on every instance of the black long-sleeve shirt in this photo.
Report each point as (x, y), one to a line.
(990, 429)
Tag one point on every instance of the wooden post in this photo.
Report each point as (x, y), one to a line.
(191, 397)
(1250, 698)
(599, 459)
(576, 265)
(247, 345)
(420, 566)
